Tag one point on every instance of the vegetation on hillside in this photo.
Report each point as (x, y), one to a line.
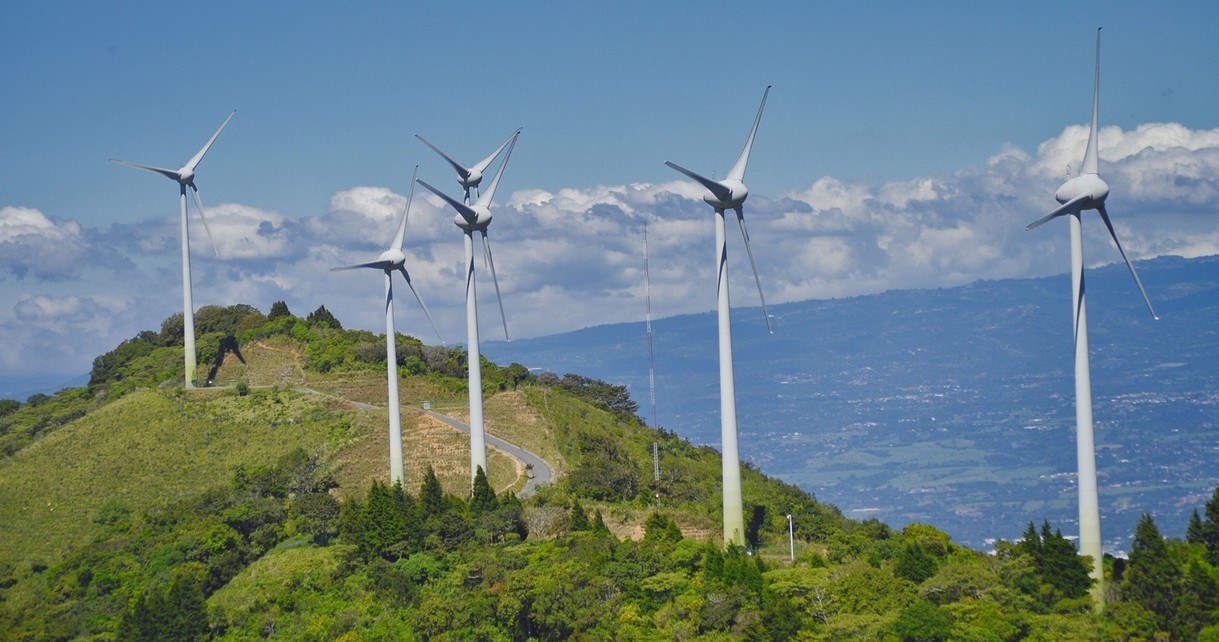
(274, 548)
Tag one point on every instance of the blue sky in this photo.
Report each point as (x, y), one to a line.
(888, 123)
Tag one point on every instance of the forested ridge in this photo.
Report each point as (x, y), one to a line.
(286, 542)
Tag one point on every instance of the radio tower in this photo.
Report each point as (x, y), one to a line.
(647, 315)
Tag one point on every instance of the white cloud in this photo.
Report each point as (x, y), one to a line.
(574, 257)
(32, 244)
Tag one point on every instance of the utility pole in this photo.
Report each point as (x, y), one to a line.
(791, 539)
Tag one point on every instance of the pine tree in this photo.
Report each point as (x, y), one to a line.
(1210, 529)
(1195, 533)
(381, 521)
(1030, 543)
(1199, 601)
(579, 519)
(278, 309)
(658, 528)
(482, 498)
(431, 495)
(1061, 565)
(1152, 580)
(407, 515)
(321, 316)
(599, 527)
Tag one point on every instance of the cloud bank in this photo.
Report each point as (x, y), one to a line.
(574, 258)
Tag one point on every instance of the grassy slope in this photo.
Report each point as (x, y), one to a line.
(143, 451)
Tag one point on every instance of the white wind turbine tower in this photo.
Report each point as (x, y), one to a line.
(185, 176)
(1087, 192)
(394, 260)
(471, 219)
(730, 193)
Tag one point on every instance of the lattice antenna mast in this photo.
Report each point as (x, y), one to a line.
(647, 315)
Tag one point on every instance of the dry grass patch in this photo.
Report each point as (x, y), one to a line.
(266, 363)
(425, 441)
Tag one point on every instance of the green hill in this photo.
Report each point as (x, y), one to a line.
(135, 510)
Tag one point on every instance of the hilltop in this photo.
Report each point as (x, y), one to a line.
(258, 508)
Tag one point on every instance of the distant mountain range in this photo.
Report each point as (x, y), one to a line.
(21, 387)
(952, 406)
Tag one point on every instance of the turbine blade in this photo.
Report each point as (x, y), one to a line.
(194, 162)
(482, 165)
(1090, 165)
(169, 173)
(491, 260)
(1065, 208)
(1104, 216)
(400, 237)
(740, 217)
(194, 191)
(484, 198)
(423, 305)
(461, 170)
(486, 252)
(465, 210)
(380, 265)
(738, 169)
(721, 192)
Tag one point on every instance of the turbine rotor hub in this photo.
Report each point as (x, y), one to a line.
(395, 257)
(472, 180)
(737, 195)
(1089, 185)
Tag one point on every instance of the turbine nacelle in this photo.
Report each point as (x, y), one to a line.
(471, 180)
(737, 193)
(1090, 186)
(394, 258)
(186, 176)
(480, 221)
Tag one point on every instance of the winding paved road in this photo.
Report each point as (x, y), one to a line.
(541, 473)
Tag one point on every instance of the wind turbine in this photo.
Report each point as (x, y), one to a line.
(1087, 192)
(470, 177)
(185, 176)
(730, 193)
(393, 260)
(471, 219)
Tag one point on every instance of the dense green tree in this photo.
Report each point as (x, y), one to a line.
(1195, 533)
(579, 519)
(431, 495)
(1210, 529)
(322, 317)
(605, 470)
(1061, 565)
(599, 527)
(913, 563)
(516, 374)
(8, 406)
(923, 621)
(381, 525)
(176, 612)
(1152, 578)
(616, 399)
(1199, 606)
(318, 514)
(482, 498)
(658, 528)
(278, 309)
